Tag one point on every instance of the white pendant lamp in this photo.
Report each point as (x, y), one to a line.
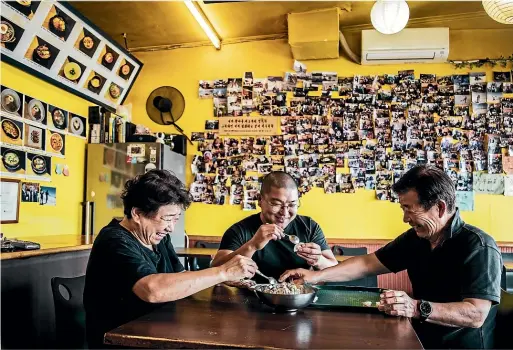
(390, 16)
(499, 10)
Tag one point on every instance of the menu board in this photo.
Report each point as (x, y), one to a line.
(55, 42)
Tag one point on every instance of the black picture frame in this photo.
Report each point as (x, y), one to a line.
(54, 81)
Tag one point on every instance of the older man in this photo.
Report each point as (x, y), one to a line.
(133, 266)
(263, 236)
(454, 268)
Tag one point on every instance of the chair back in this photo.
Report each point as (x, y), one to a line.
(508, 274)
(371, 281)
(68, 297)
(504, 321)
(203, 263)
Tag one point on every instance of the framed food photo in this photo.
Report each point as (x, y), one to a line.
(125, 69)
(108, 57)
(94, 82)
(34, 110)
(72, 69)
(87, 42)
(34, 137)
(113, 92)
(11, 131)
(57, 118)
(10, 34)
(56, 142)
(77, 125)
(42, 53)
(11, 101)
(59, 23)
(38, 165)
(26, 8)
(13, 162)
(10, 192)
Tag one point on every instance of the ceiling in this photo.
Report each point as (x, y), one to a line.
(149, 23)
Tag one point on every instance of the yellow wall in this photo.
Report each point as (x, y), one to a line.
(340, 215)
(66, 217)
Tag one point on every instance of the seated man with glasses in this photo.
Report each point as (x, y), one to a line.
(263, 237)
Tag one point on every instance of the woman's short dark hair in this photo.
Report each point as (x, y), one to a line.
(432, 184)
(152, 190)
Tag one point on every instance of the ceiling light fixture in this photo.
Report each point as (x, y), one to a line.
(203, 22)
(390, 16)
(499, 10)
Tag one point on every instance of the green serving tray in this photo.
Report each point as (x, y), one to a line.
(332, 296)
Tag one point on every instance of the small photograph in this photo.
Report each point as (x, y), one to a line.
(370, 181)
(494, 97)
(212, 124)
(406, 74)
(95, 82)
(56, 142)
(220, 107)
(206, 89)
(42, 53)
(11, 131)
(39, 165)
(10, 34)
(383, 195)
(507, 88)
(125, 69)
(330, 187)
(495, 164)
(72, 69)
(26, 8)
(234, 85)
(478, 88)
(427, 79)
(502, 76)
(477, 78)
(462, 100)
(34, 137)
(197, 136)
(274, 84)
(87, 42)
(34, 110)
(290, 81)
(478, 97)
(494, 87)
(114, 92)
(48, 196)
(446, 80)
(77, 125)
(30, 192)
(108, 57)
(59, 23)
(57, 118)
(461, 79)
(264, 168)
(249, 205)
(13, 160)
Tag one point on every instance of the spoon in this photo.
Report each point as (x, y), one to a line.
(293, 239)
(272, 280)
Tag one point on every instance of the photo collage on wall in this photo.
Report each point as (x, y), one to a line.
(63, 48)
(32, 132)
(343, 133)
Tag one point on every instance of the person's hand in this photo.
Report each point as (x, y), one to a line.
(266, 233)
(398, 303)
(300, 276)
(238, 267)
(311, 252)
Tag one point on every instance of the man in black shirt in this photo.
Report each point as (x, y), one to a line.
(263, 236)
(133, 267)
(454, 268)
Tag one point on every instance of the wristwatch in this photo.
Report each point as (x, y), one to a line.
(425, 309)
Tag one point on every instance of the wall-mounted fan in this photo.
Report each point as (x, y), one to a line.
(165, 106)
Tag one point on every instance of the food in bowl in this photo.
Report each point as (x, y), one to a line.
(25, 3)
(88, 42)
(108, 58)
(11, 161)
(56, 142)
(58, 118)
(35, 136)
(11, 130)
(125, 70)
(38, 165)
(114, 91)
(10, 103)
(282, 288)
(95, 82)
(59, 24)
(35, 112)
(43, 52)
(72, 71)
(6, 32)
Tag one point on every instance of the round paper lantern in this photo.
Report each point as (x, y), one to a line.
(390, 16)
(500, 10)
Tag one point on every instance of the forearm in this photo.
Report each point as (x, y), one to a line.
(246, 250)
(325, 262)
(353, 269)
(457, 314)
(164, 287)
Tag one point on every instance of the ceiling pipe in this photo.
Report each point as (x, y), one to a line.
(345, 47)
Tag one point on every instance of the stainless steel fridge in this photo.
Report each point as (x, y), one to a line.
(109, 166)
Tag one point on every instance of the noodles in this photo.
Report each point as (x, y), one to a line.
(282, 288)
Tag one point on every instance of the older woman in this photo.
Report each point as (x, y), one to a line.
(133, 266)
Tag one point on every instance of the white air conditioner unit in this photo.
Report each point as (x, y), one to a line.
(415, 45)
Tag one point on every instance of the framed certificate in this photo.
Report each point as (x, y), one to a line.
(10, 200)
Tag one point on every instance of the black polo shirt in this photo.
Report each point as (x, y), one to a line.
(277, 256)
(467, 264)
(117, 261)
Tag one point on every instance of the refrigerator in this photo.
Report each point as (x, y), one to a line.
(108, 168)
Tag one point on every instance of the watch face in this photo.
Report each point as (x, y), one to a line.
(425, 308)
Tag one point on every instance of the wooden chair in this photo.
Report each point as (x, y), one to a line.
(69, 312)
(504, 322)
(197, 264)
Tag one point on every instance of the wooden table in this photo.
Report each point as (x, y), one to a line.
(222, 317)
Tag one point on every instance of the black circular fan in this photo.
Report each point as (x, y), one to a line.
(165, 105)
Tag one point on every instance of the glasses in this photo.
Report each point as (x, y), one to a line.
(277, 207)
(168, 219)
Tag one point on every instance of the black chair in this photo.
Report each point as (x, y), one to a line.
(68, 296)
(371, 281)
(504, 320)
(202, 263)
(508, 277)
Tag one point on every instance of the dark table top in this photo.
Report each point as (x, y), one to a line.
(228, 317)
